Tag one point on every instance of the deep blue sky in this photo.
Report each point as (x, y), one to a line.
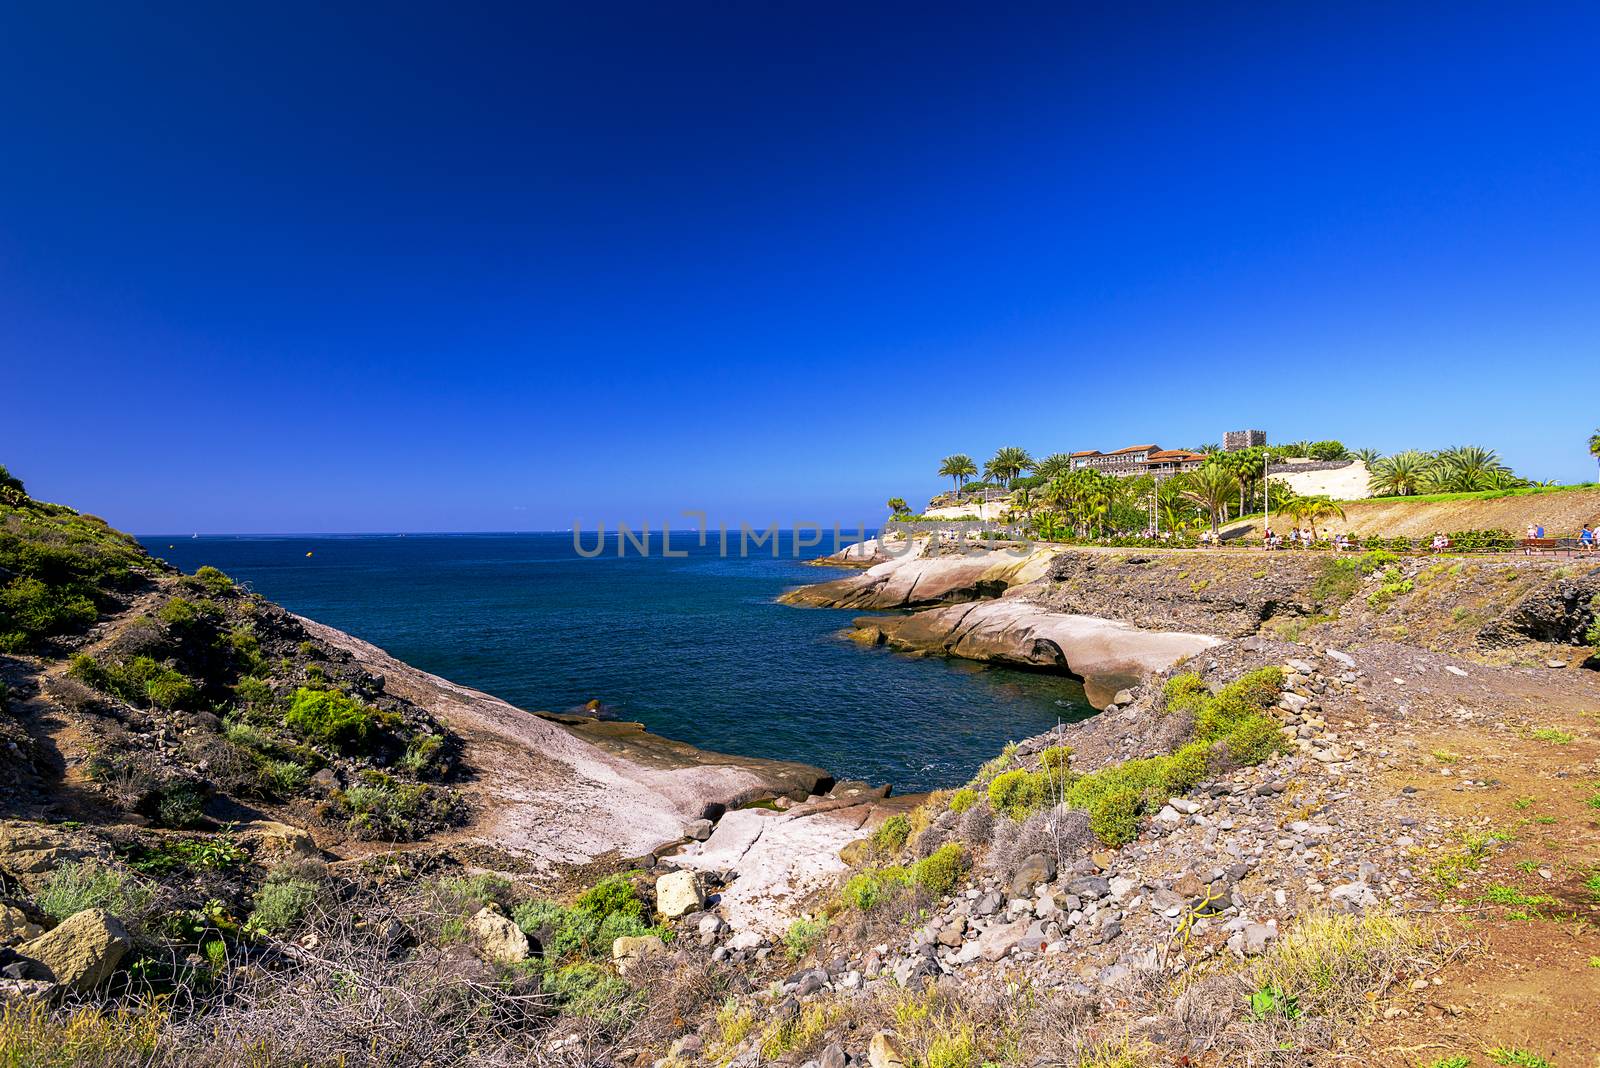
(509, 267)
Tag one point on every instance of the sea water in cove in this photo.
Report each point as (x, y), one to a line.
(695, 647)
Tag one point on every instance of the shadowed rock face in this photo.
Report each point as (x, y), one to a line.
(1104, 653)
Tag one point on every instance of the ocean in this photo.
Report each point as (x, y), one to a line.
(694, 647)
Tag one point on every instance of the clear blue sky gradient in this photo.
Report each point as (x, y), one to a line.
(488, 267)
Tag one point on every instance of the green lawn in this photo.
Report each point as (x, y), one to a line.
(1479, 495)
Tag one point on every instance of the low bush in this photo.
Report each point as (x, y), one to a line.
(1016, 793)
(282, 902)
(208, 579)
(891, 835)
(607, 911)
(867, 889)
(89, 885)
(330, 718)
(938, 874)
(422, 755)
(802, 937)
(141, 680)
(181, 803)
(397, 811)
(590, 990)
(963, 799)
(188, 854)
(31, 609)
(1231, 727)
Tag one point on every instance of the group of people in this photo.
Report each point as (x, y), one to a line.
(1587, 537)
(1304, 538)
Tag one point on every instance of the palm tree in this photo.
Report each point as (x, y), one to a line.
(898, 505)
(1212, 487)
(1298, 448)
(1400, 475)
(1315, 507)
(1465, 468)
(1245, 466)
(1594, 447)
(958, 468)
(1370, 457)
(1057, 463)
(1209, 448)
(1007, 463)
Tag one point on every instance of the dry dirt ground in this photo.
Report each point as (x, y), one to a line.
(1513, 761)
(1562, 514)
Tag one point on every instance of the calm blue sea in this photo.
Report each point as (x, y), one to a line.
(694, 647)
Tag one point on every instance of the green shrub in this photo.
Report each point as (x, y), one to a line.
(31, 609)
(330, 718)
(74, 887)
(939, 873)
(1184, 693)
(865, 890)
(1016, 793)
(1056, 758)
(422, 752)
(181, 803)
(613, 895)
(589, 990)
(391, 810)
(609, 910)
(253, 693)
(891, 835)
(282, 902)
(1233, 721)
(282, 778)
(209, 580)
(469, 893)
(169, 689)
(140, 681)
(188, 854)
(963, 799)
(803, 936)
(1114, 816)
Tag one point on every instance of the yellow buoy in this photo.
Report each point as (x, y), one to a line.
(308, 554)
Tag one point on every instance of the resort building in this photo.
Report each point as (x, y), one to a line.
(1139, 460)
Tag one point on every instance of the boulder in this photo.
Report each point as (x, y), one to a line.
(82, 951)
(630, 950)
(997, 941)
(25, 990)
(15, 927)
(499, 938)
(1353, 897)
(882, 1054)
(280, 838)
(697, 830)
(678, 893)
(1035, 869)
(31, 852)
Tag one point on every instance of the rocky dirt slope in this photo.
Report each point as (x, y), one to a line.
(1561, 514)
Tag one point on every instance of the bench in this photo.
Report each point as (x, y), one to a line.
(1553, 545)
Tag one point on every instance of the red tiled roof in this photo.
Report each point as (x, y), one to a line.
(1088, 452)
(1135, 448)
(1176, 454)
